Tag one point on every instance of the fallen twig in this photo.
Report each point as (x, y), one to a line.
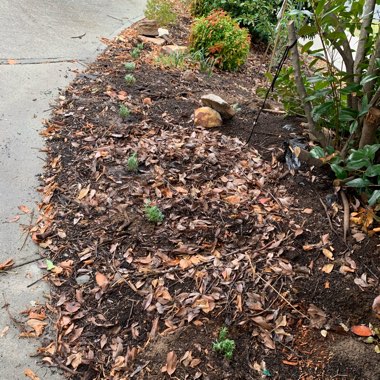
(254, 273)
(346, 217)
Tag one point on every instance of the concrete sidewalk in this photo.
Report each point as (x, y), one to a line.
(38, 35)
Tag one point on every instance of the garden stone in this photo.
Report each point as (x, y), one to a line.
(83, 279)
(147, 28)
(218, 104)
(206, 117)
(152, 40)
(173, 49)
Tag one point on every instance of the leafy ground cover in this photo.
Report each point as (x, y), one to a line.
(240, 242)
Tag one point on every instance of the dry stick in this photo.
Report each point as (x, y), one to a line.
(254, 273)
(346, 217)
(40, 279)
(26, 263)
(327, 214)
(28, 231)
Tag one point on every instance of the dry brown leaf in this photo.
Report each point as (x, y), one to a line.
(361, 330)
(328, 268)
(233, 199)
(376, 305)
(29, 373)
(24, 209)
(171, 363)
(328, 253)
(317, 316)
(4, 331)
(37, 326)
(101, 280)
(6, 264)
(307, 211)
(83, 192)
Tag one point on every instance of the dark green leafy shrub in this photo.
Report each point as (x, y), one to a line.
(259, 16)
(161, 11)
(359, 170)
(219, 38)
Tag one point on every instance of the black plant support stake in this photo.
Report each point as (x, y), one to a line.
(271, 87)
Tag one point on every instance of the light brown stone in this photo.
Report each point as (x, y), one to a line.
(173, 49)
(206, 117)
(152, 40)
(218, 104)
(147, 28)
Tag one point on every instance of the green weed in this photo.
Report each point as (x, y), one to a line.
(224, 345)
(153, 213)
(124, 111)
(130, 79)
(133, 163)
(130, 66)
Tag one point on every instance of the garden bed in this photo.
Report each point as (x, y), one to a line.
(242, 244)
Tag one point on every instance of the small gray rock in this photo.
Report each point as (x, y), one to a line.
(218, 104)
(83, 279)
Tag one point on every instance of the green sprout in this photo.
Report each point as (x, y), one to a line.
(130, 66)
(132, 163)
(135, 53)
(124, 111)
(130, 79)
(153, 213)
(224, 345)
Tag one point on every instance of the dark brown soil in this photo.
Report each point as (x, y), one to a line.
(144, 297)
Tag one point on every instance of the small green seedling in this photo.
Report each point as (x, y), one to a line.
(130, 79)
(124, 111)
(140, 46)
(135, 53)
(153, 213)
(130, 66)
(49, 265)
(224, 345)
(133, 163)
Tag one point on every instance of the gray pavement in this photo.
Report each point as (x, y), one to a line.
(35, 34)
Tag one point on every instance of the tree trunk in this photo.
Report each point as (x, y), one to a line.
(370, 127)
(300, 86)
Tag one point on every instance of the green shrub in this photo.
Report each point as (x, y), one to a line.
(161, 11)
(219, 38)
(259, 16)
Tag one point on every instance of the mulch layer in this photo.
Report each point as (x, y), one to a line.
(244, 243)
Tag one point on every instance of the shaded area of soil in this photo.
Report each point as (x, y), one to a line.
(230, 251)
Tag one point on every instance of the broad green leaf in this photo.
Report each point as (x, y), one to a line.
(359, 182)
(317, 152)
(352, 87)
(322, 110)
(357, 164)
(339, 171)
(354, 126)
(373, 171)
(49, 264)
(307, 30)
(368, 78)
(307, 46)
(374, 198)
(347, 114)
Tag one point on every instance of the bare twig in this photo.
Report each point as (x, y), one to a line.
(346, 217)
(254, 273)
